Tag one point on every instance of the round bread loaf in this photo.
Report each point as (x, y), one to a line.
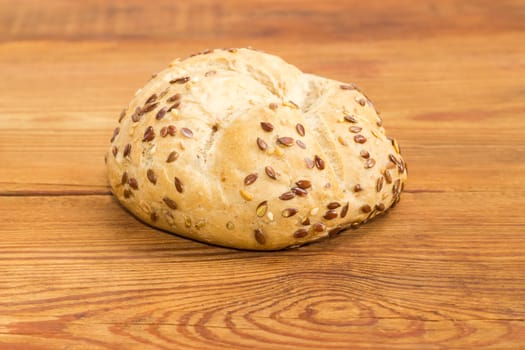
(238, 148)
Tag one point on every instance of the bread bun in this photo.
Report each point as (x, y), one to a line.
(238, 148)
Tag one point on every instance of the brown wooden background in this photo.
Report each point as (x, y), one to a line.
(445, 269)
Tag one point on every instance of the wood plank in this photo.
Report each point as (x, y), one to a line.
(297, 19)
(482, 81)
(443, 270)
(448, 278)
(459, 111)
(82, 266)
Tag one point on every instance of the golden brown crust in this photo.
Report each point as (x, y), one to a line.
(240, 149)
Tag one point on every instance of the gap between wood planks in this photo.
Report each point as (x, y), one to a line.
(54, 193)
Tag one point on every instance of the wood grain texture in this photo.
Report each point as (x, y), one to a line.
(387, 283)
(444, 270)
(227, 19)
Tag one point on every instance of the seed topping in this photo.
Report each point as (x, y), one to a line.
(153, 216)
(115, 133)
(164, 92)
(178, 185)
(319, 163)
(122, 115)
(170, 203)
(319, 227)
(291, 104)
(304, 184)
(347, 87)
(355, 129)
(270, 172)
(150, 107)
(300, 233)
(401, 166)
(350, 118)
(300, 144)
(174, 98)
(251, 178)
(180, 80)
(261, 144)
(366, 208)
(330, 215)
(379, 184)
(151, 99)
(344, 210)
(277, 151)
(364, 154)
(309, 163)
(168, 130)
(358, 188)
(262, 208)
(151, 176)
(393, 159)
(273, 106)
(172, 157)
(186, 132)
(300, 129)
(132, 182)
(370, 163)
(287, 196)
(395, 187)
(259, 236)
(124, 178)
(114, 150)
(359, 138)
(135, 117)
(388, 176)
(246, 195)
(395, 145)
(127, 150)
(149, 134)
(289, 212)
(380, 207)
(285, 141)
(172, 130)
(266, 126)
(299, 191)
(161, 113)
(333, 205)
(173, 106)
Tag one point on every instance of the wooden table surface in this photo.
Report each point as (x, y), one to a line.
(444, 270)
